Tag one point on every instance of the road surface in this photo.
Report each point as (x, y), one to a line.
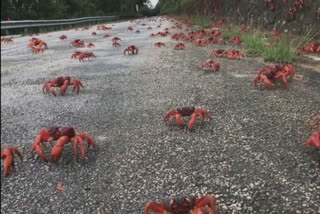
(251, 156)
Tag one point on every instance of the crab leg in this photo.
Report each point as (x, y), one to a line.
(16, 151)
(7, 164)
(88, 139)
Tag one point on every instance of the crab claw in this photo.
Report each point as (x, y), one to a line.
(313, 140)
(156, 208)
(256, 79)
(266, 81)
(202, 113)
(174, 115)
(206, 204)
(64, 87)
(57, 150)
(47, 88)
(283, 78)
(8, 155)
(44, 136)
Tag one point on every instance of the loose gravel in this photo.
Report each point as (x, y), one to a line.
(251, 156)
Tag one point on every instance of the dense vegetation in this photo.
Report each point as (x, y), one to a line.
(59, 9)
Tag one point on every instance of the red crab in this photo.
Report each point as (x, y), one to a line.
(201, 42)
(159, 44)
(183, 205)
(130, 28)
(106, 36)
(152, 35)
(132, 48)
(63, 135)
(269, 4)
(116, 44)
(86, 55)
(35, 42)
(93, 33)
(315, 138)
(273, 73)
(311, 48)
(77, 43)
(115, 39)
(149, 28)
(180, 46)
(236, 40)
(76, 54)
(243, 28)
(179, 112)
(7, 40)
(90, 45)
(234, 54)
(63, 37)
(210, 65)
(62, 83)
(297, 4)
(219, 53)
(137, 31)
(37, 50)
(8, 156)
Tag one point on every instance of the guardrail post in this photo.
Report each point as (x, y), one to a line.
(7, 32)
(25, 30)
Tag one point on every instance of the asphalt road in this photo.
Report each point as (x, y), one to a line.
(251, 156)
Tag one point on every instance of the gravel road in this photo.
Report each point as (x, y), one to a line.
(251, 156)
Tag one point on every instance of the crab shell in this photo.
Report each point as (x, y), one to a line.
(186, 111)
(179, 205)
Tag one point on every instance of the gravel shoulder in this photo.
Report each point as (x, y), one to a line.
(251, 156)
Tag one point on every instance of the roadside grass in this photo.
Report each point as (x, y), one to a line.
(227, 34)
(203, 21)
(257, 44)
(282, 51)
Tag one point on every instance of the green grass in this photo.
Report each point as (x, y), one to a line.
(255, 43)
(283, 51)
(203, 21)
(227, 34)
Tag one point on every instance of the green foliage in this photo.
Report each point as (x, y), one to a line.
(170, 6)
(203, 21)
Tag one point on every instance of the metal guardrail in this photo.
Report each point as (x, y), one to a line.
(6, 25)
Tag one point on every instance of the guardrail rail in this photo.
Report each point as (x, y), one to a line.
(9, 25)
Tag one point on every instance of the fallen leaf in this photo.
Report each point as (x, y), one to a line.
(60, 186)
